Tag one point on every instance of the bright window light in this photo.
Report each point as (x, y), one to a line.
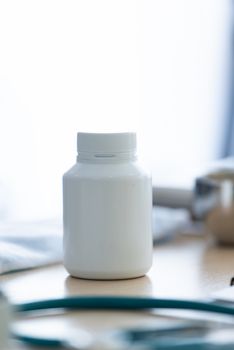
(156, 67)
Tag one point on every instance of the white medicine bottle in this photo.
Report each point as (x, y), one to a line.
(107, 203)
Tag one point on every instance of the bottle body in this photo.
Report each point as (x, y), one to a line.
(107, 208)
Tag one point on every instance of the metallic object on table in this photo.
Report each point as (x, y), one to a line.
(172, 197)
(211, 201)
(214, 201)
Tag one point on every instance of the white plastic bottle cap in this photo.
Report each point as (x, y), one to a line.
(106, 143)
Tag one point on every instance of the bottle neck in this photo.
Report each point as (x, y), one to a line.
(115, 157)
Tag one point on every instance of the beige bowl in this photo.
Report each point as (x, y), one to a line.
(220, 222)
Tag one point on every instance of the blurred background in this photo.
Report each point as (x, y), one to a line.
(162, 68)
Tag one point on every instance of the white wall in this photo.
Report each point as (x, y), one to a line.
(156, 67)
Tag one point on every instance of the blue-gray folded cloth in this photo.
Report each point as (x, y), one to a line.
(29, 245)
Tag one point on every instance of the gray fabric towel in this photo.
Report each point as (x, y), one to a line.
(29, 245)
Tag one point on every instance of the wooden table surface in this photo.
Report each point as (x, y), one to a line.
(187, 267)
